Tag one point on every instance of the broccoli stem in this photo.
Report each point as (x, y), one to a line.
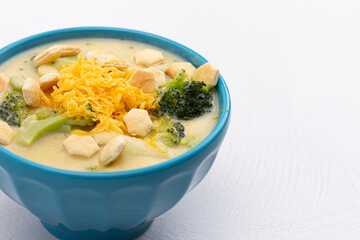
(44, 113)
(82, 122)
(32, 128)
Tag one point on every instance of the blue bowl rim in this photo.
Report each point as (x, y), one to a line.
(223, 118)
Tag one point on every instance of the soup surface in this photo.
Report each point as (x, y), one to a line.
(138, 152)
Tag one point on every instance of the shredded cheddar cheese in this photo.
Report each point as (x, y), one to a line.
(105, 88)
(151, 138)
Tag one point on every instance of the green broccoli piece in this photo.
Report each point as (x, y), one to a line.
(171, 132)
(45, 113)
(64, 60)
(185, 99)
(88, 106)
(34, 127)
(13, 109)
(94, 168)
(17, 82)
(81, 123)
(190, 142)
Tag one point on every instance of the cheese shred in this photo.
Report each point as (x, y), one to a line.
(88, 90)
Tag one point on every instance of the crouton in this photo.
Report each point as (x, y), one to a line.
(148, 57)
(83, 146)
(145, 80)
(31, 93)
(3, 81)
(6, 133)
(175, 67)
(69, 50)
(159, 76)
(102, 138)
(112, 150)
(138, 122)
(208, 74)
(100, 56)
(48, 55)
(49, 80)
(116, 63)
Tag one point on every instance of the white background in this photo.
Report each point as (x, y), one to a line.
(289, 167)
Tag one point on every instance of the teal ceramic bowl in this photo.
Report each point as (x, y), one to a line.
(108, 205)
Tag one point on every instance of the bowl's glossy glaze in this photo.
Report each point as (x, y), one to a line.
(110, 205)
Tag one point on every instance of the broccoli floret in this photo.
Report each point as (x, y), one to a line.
(185, 99)
(171, 132)
(13, 108)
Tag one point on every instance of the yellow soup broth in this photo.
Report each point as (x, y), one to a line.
(137, 153)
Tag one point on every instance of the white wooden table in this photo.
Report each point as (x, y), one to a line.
(289, 167)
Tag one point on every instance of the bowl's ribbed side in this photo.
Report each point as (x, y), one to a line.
(82, 204)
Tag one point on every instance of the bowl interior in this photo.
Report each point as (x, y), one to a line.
(117, 33)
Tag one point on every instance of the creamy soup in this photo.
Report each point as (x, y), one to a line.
(140, 127)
